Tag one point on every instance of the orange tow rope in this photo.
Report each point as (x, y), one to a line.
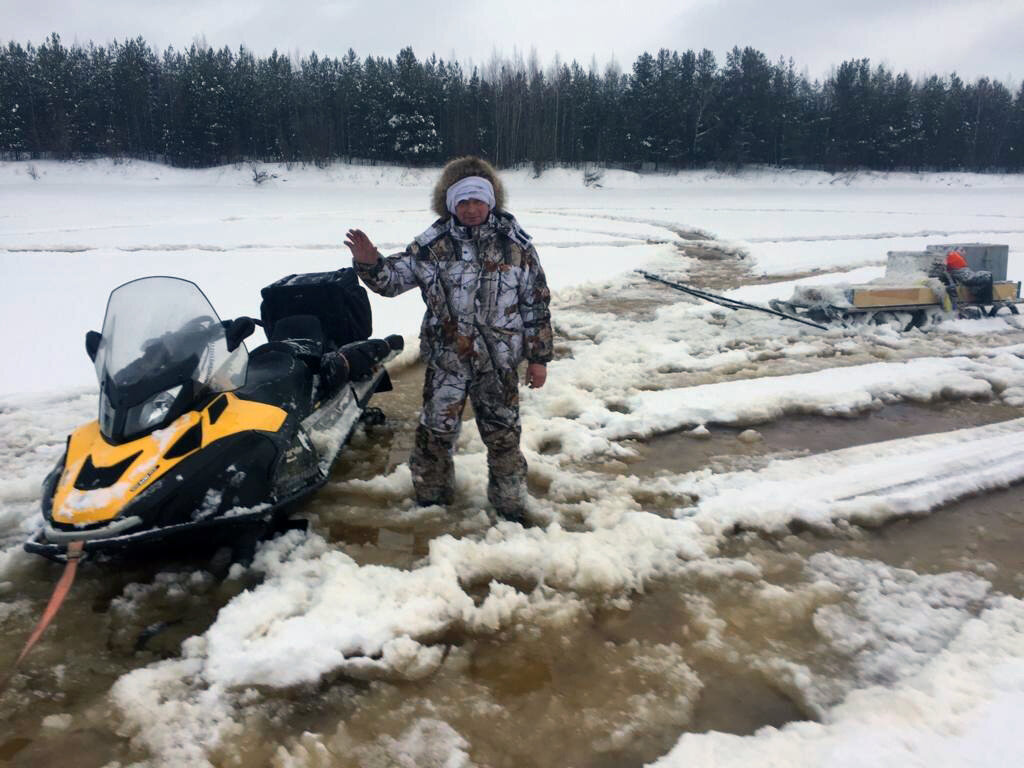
(59, 593)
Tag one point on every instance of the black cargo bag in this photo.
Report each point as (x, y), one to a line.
(336, 298)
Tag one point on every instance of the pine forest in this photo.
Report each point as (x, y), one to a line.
(204, 107)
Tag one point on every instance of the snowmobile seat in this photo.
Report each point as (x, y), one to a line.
(298, 327)
(277, 376)
(302, 335)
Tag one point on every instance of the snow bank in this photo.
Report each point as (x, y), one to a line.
(866, 484)
(830, 392)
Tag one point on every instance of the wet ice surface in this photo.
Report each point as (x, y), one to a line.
(742, 523)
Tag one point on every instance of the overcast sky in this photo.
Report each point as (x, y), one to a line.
(972, 37)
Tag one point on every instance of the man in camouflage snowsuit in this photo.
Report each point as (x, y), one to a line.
(487, 310)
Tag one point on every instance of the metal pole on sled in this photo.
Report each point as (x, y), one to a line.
(724, 301)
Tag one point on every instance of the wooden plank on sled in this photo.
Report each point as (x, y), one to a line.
(878, 296)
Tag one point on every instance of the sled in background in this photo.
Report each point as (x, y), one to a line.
(914, 291)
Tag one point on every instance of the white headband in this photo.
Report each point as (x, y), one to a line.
(470, 188)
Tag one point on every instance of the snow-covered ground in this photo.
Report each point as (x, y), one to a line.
(934, 663)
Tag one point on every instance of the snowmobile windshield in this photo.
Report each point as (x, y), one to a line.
(162, 344)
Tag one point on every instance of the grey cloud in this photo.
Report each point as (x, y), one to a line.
(816, 35)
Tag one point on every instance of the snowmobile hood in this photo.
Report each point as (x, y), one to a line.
(99, 480)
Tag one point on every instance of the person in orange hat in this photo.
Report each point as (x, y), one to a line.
(955, 260)
(978, 283)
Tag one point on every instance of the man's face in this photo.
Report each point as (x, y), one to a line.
(471, 213)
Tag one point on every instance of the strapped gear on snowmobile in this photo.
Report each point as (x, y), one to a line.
(336, 299)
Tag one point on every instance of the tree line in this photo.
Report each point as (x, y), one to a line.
(203, 107)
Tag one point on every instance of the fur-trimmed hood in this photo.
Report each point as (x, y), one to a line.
(460, 168)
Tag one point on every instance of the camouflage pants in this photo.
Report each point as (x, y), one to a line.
(495, 399)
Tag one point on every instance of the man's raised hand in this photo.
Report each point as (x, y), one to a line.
(363, 250)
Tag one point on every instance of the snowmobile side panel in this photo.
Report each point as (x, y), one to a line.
(100, 480)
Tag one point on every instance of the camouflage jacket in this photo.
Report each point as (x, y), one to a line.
(486, 295)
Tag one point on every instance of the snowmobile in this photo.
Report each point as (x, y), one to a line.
(197, 440)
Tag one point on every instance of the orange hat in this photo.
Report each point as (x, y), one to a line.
(955, 260)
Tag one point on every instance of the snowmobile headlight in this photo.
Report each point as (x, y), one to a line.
(151, 412)
(107, 414)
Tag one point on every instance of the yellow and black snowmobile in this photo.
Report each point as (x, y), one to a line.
(199, 441)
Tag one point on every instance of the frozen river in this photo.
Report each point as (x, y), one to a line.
(758, 542)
